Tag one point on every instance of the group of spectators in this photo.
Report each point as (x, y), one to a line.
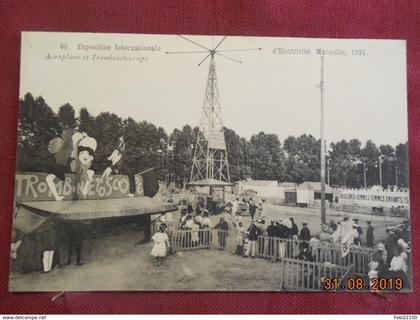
(282, 238)
(331, 233)
(195, 217)
(391, 258)
(257, 239)
(270, 242)
(196, 223)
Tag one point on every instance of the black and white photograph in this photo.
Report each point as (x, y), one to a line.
(211, 163)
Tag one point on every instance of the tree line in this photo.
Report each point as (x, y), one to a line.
(262, 157)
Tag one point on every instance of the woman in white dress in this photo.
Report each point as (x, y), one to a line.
(161, 245)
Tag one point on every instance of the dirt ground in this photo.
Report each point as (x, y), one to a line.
(188, 270)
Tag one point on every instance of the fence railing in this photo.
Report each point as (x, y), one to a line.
(306, 275)
(359, 257)
(223, 240)
(187, 239)
(272, 248)
(190, 239)
(304, 265)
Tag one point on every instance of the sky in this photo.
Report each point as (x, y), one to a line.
(365, 89)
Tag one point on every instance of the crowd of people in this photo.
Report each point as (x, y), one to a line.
(196, 224)
(282, 238)
(391, 258)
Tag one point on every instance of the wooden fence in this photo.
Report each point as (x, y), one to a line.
(276, 249)
(300, 275)
(273, 249)
(189, 240)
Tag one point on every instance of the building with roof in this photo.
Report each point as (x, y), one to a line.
(271, 190)
(309, 192)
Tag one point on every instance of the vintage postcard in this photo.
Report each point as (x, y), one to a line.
(178, 162)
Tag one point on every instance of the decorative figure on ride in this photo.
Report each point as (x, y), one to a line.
(118, 165)
(73, 152)
(86, 146)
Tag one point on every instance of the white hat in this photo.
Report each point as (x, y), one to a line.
(288, 223)
(88, 142)
(75, 138)
(403, 244)
(380, 246)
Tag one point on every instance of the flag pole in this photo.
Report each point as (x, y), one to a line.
(323, 214)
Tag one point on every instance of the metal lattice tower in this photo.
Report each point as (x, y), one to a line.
(210, 161)
(210, 155)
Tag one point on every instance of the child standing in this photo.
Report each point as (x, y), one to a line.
(195, 233)
(161, 241)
